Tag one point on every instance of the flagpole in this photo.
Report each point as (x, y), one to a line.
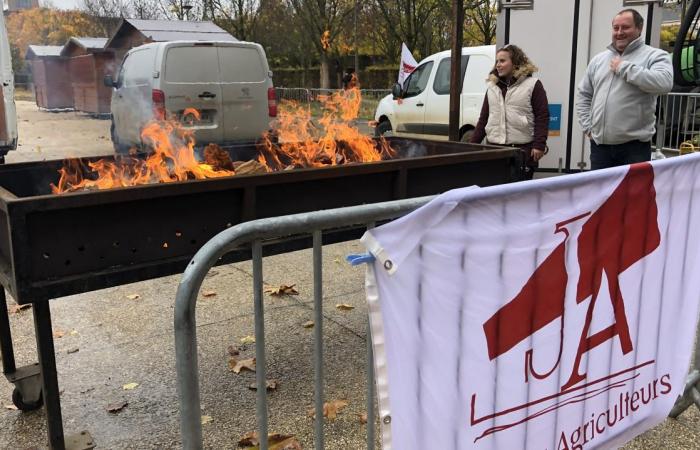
(455, 72)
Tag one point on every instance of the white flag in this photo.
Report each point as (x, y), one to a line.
(408, 64)
(552, 314)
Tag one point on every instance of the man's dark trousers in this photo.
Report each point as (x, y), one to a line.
(604, 155)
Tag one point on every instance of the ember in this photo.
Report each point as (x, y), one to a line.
(298, 143)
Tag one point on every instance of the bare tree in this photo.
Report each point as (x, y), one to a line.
(323, 21)
(240, 17)
(480, 18)
(106, 8)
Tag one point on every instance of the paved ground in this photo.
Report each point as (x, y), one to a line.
(110, 340)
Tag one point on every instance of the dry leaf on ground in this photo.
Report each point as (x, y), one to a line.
(130, 386)
(330, 409)
(16, 309)
(309, 324)
(206, 420)
(133, 296)
(11, 407)
(248, 340)
(72, 350)
(363, 418)
(59, 334)
(344, 307)
(251, 441)
(233, 350)
(208, 293)
(116, 406)
(282, 290)
(236, 366)
(270, 385)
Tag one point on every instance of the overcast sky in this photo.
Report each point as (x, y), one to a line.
(62, 4)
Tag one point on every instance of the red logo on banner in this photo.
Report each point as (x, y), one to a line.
(620, 233)
(407, 68)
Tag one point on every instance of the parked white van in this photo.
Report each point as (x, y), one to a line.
(229, 83)
(8, 112)
(421, 107)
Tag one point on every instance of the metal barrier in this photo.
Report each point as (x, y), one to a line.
(370, 97)
(678, 122)
(255, 232)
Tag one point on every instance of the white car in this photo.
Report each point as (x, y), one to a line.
(228, 83)
(421, 107)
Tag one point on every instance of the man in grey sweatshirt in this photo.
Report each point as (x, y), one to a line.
(616, 100)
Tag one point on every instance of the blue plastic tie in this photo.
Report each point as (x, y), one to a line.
(362, 258)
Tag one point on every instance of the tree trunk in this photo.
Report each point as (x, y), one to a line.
(325, 76)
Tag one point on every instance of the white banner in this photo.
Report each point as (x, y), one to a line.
(408, 63)
(555, 314)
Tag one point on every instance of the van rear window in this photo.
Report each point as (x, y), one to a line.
(192, 65)
(241, 65)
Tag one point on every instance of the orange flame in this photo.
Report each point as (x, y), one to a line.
(299, 143)
(342, 143)
(326, 40)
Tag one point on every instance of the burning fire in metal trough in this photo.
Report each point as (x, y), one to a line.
(297, 143)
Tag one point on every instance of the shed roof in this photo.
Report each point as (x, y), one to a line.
(90, 44)
(38, 51)
(172, 30)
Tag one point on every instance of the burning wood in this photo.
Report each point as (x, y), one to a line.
(298, 143)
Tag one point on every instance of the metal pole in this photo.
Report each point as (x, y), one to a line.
(318, 339)
(8, 354)
(260, 365)
(357, 58)
(49, 376)
(455, 72)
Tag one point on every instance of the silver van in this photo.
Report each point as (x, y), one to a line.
(228, 83)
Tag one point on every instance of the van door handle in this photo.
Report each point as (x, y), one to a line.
(207, 94)
(419, 104)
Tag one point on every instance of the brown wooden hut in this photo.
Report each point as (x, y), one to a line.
(89, 61)
(51, 77)
(134, 32)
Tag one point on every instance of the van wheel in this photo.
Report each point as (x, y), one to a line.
(467, 136)
(382, 127)
(118, 148)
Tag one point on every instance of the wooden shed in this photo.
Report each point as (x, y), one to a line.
(134, 32)
(89, 61)
(51, 77)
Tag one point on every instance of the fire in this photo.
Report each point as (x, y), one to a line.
(300, 146)
(299, 142)
(326, 40)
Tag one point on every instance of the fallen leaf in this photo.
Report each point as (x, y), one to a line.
(133, 296)
(363, 418)
(73, 332)
(275, 441)
(72, 350)
(130, 386)
(236, 366)
(208, 293)
(11, 407)
(206, 420)
(309, 324)
(59, 334)
(330, 409)
(248, 340)
(15, 309)
(270, 385)
(116, 407)
(282, 290)
(233, 350)
(344, 307)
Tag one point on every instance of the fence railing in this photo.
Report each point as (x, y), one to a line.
(255, 232)
(678, 123)
(314, 97)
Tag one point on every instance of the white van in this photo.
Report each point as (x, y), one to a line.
(421, 107)
(229, 83)
(8, 112)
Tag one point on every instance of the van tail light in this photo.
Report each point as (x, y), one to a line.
(158, 98)
(271, 102)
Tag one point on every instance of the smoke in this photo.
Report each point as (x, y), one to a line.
(414, 150)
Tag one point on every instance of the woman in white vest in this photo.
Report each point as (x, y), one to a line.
(515, 110)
